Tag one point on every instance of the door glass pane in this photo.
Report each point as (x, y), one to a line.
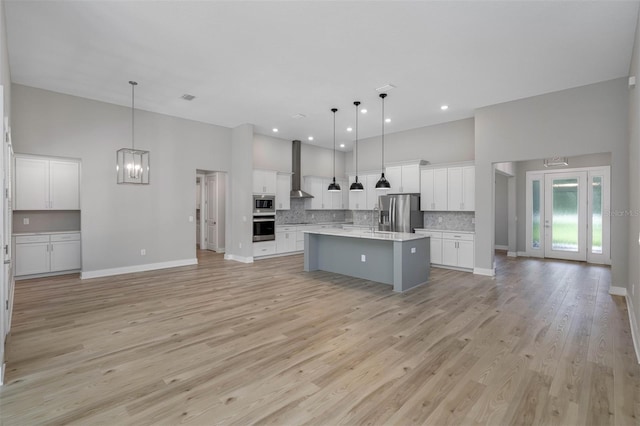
(535, 222)
(596, 215)
(564, 220)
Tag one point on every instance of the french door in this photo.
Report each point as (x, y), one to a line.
(566, 214)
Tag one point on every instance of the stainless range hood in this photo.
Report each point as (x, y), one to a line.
(296, 177)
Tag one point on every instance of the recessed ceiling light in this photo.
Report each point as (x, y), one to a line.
(298, 116)
(188, 97)
(341, 145)
(275, 130)
(310, 138)
(387, 120)
(363, 110)
(349, 129)
(444, 107)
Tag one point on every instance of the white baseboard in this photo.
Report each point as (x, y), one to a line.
(512, 254)
(484, 271)
(2, 368)
(137, 268)
(238, 258)
(497, 247)
(523, 254)
(635, 330)
(617, 291)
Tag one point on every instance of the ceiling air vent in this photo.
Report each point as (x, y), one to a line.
(188, 97)
(385, 88)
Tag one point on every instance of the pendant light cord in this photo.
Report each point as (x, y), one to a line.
(133, 105)
(357, 104)
(334, 110)
(383, 95)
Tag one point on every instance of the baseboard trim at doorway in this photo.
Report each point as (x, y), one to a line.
(241, 259)
(635, 333)
(137, 268)
(617, 291)
(484, 271)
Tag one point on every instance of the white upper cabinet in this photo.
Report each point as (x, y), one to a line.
(283, 191)
(322, 198)
(46, 184)
(264, 182)
(404, 178)
(461, 188)
(433, 189)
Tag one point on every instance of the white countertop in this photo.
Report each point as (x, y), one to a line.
(445, 230)
(17, 234)
(377, 235)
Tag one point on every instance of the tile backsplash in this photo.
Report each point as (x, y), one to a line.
(453, 221)
(298, 214)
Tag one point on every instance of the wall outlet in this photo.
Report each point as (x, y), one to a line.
(473, 220)
(244, 218)
(413, 249)
(190, 218)
(143, 252)
(439, 219)
(334, 215)
(363, 258)
(25, 221)
(633, 290)
(312, 216)
(239, 245)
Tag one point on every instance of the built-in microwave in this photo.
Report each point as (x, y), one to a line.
(264, 204)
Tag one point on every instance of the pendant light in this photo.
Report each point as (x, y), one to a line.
(132, 165)
(383, 183)
(333, 186)
(356, 186)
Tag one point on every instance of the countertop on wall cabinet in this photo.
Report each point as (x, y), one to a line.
(445, 230)
(18, 234)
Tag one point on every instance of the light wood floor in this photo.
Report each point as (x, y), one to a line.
(228, 343)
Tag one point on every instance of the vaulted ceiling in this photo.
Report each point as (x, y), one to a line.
(264, 62)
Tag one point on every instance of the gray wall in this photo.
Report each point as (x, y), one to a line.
(591, 160)
(239, 227)
(501, 211)
(119, 220)
(272, 153)
(634, 178)
(585, 120)
(442, 143)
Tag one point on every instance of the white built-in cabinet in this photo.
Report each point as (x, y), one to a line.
(46, 184)
(264, 181)
(46, 253)
(283, 191)
(403, 178)
(448, 188)
(461, 188)
(451, 249)
(433, 189)
(286, 239)
(457, 250)
(322, 198)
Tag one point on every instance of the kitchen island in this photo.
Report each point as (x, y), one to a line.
(396, 258)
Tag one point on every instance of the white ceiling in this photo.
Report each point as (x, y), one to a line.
(262, 62)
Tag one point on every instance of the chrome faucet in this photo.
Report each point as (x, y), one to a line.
(375, 217)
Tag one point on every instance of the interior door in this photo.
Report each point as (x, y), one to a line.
(565, 218)
(211, 221)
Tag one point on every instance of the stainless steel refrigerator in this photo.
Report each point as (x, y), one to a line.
(400, 212)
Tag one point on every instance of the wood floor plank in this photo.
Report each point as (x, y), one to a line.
(265, 343)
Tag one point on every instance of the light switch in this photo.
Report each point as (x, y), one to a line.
(190, 218)
(363, 257)
(413, 249)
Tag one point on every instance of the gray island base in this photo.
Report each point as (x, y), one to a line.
(396, 258)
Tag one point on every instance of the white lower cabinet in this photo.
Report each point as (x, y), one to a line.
(45, 253)
(286, 239)
(458, 250)
(264, 248)
(435, 245)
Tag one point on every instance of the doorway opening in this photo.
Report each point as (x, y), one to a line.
(566, 214)
(211, 190)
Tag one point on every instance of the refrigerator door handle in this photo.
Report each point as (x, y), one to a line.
(392, 213)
